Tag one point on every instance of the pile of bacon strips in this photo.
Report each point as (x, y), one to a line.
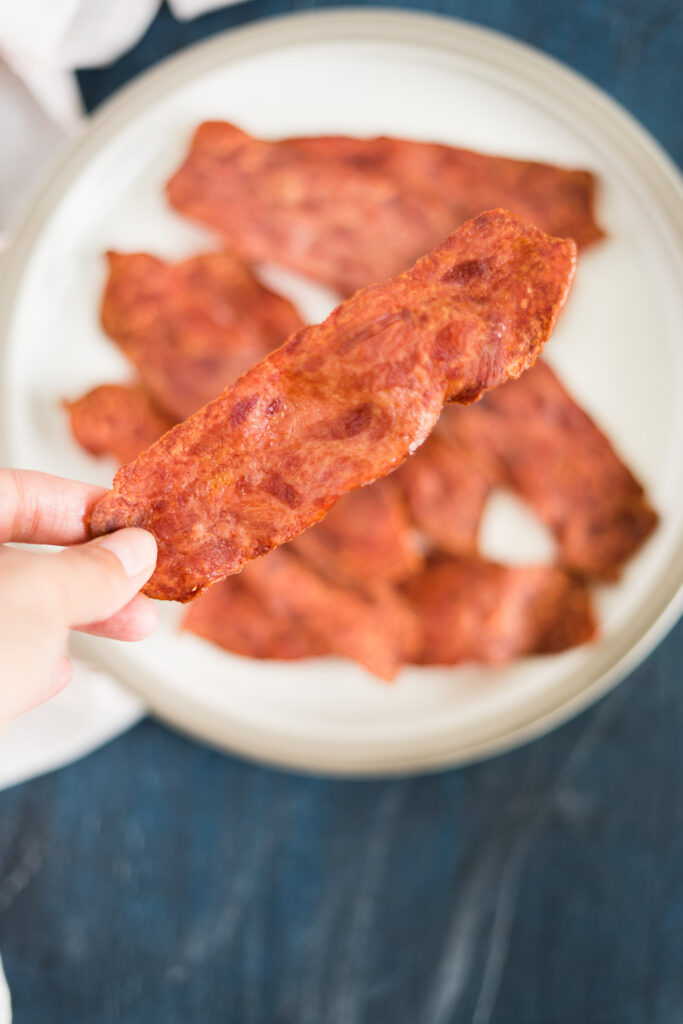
(243, 431)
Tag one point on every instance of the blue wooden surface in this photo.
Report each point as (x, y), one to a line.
(160, 881)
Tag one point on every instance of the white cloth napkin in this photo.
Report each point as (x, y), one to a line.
(41, 43)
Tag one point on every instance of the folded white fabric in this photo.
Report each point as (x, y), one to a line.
(44, 40)
(41, 42)
(30, 137)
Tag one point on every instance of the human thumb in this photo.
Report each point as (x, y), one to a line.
(97, 579)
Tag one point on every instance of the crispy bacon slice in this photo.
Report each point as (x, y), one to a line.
(191, 328)
(366, 538)
(282, 608)
(350, 212)
(377, 629)
(116, 419)
(473, 610)
(239, 619)
(341, 403)
(554, 456)
(446, 489)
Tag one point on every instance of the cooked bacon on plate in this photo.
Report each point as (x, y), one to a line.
(239, 619)
(191, 328)
(366, 538)
(116, 419)
(553, 455)
(446, 489)
(292, 611)
(473, 610)
(349, 212)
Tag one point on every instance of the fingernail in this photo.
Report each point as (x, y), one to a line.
(135, 549)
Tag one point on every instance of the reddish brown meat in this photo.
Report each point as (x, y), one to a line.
(446, 489)
(281, 608)
(191, 328)
(244, 621)
(555, 457)
(378, 630)
(341, 403)
(366, 538)
(472, 610)
(116, 419)
(350, 212)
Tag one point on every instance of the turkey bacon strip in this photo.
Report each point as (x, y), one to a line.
(474, 610)
(191, 328)
(342, 403)
(547, 449)
(349, 212)
(116, 419)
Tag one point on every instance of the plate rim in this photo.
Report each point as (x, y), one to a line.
(433, 31)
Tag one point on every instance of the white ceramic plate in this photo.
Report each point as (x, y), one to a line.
(617, 347)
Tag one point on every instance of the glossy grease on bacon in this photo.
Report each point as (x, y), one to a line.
(341, 403)
(351, 212)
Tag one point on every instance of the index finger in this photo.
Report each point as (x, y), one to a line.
(38, 508)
